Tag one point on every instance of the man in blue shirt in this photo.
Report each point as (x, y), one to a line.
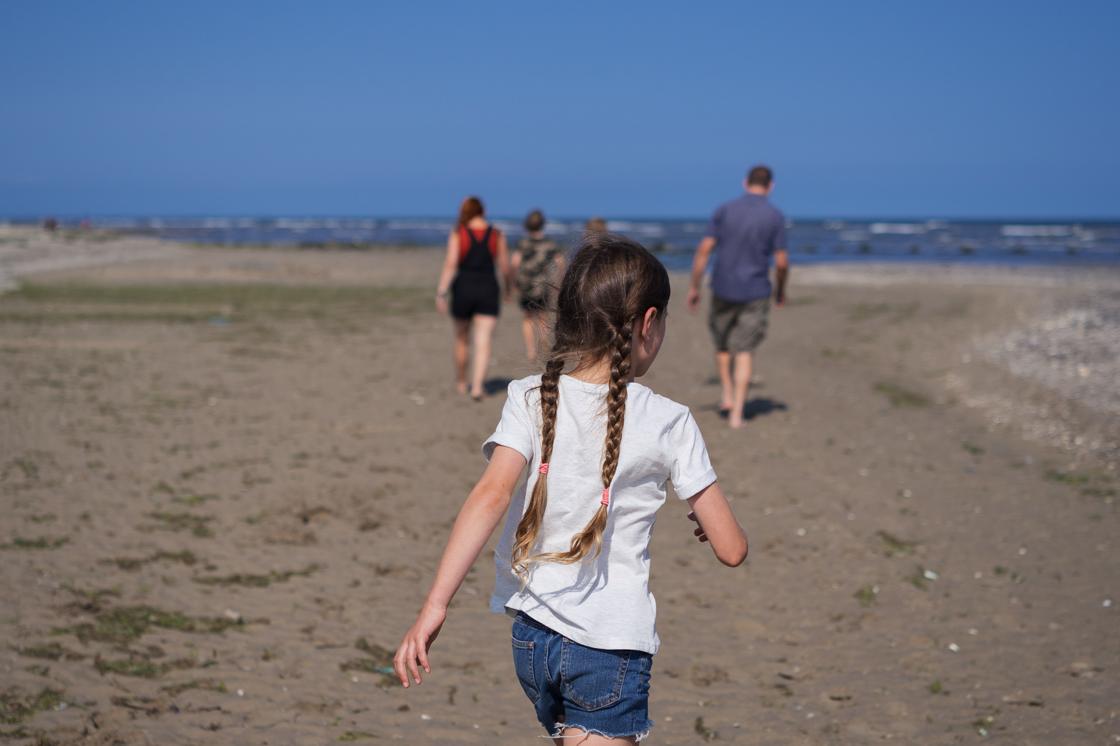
(745, 233)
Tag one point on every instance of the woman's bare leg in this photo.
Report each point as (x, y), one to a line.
(462, 347)
(483, 332)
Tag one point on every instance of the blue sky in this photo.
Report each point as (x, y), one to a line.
(960, 109)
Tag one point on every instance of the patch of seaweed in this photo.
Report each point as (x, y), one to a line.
(257, 581)
(130, 564)
(178, 522)
(16, 706)
(123, 624)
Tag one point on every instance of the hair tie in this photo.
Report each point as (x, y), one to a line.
(606, 498)
(544, 467)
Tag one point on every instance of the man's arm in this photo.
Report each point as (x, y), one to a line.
(699, 264)
(781, 274)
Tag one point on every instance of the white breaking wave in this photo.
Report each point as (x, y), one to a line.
(1036, 231)
(902, 229)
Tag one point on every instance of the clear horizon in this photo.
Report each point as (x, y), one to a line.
(897, 219)
(993, 111)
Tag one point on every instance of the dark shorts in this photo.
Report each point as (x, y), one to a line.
(574, 686)
(475, 296)
(738, 327)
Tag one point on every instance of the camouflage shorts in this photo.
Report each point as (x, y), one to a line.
(738, 327)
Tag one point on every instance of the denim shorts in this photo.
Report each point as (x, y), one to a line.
(574, 686)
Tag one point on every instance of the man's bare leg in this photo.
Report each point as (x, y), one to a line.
(723, 363)
(742, 381)
(461, 352)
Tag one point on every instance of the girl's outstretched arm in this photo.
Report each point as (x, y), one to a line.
(717, 525)
(477, 520)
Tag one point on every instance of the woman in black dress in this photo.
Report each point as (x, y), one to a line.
(477, 255)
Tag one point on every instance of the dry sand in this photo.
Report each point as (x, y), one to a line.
(227, 477)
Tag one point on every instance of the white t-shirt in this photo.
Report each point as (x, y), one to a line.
(602, 602)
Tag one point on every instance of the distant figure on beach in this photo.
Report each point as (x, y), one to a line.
(577, 494)
(538, 262)
(745, 233)
(50, 225)
(595, 224)
(476, 255)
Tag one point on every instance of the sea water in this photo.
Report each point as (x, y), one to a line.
(924, 240)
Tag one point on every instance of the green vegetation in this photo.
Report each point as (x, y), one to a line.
(866, 596)
(356, 735)
(49, 651)
(140, 666)
(124, 624)
(704, 731)
(379, 662)
(199, 303)
(257, 581)
(135, 563)
(26, 466)
(177, 522)
(41, 542)
(209, 685)
(983, 725)
(972, 448)
(918, 578)
(1067, 477)
(15, 706)
(92, 598)
(893, 545)
(936, 688)
(193, 500)
(900, 396)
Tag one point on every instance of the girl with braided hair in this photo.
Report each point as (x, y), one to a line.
(573, 560)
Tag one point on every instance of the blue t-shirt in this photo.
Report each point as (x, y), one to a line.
(748, 231)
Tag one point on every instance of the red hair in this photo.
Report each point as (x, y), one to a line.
(470, 209)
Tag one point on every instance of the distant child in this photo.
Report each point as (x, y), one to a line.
(573, 560)
(595, 224)
(536, 261)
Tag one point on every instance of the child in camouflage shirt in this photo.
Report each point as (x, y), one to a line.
(535, 260)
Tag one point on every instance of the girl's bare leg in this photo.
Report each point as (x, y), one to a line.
(580, 737)
(462, 347)
(483, 331)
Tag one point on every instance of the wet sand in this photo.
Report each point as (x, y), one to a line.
(227, 477)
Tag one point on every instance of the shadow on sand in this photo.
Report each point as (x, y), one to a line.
(756, 408)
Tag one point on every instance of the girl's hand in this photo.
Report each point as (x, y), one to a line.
(414, 646)
(699, 531)
(717, 526)
(441, 303)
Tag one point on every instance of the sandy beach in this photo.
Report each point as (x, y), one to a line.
(227, 476)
